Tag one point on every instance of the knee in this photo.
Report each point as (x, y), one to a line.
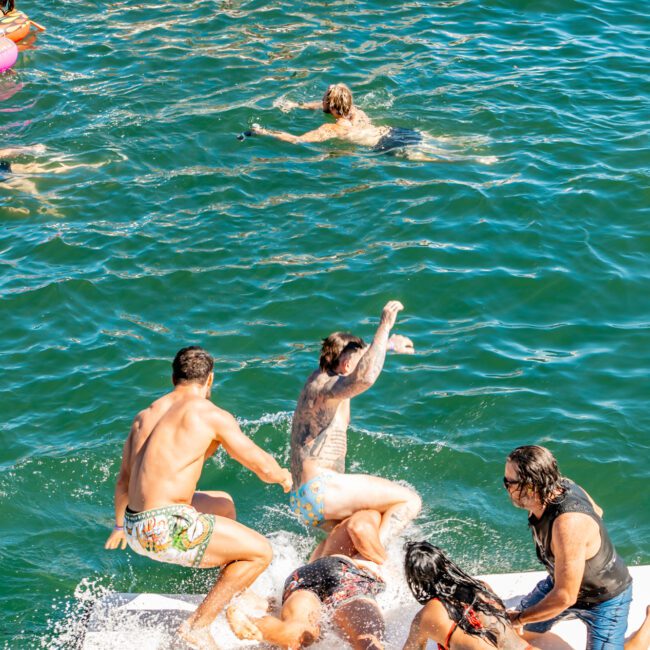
(414, 504)
(364, 526)
(229, 509)
(264, 553)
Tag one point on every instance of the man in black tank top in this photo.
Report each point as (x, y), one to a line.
(587, 578)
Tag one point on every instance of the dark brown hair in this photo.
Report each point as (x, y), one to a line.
(334, 346)
(192, 363)
(537, 468)
(6, 3)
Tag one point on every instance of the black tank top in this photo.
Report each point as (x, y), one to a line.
(606, 575)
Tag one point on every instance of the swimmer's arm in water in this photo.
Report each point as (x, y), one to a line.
(17, 151)
(287, 105)
(322, 133)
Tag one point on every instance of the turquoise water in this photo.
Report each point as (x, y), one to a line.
(522, 258)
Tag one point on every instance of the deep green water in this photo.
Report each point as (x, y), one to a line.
(149, 227)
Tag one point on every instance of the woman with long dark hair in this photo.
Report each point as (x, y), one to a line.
(459, 613)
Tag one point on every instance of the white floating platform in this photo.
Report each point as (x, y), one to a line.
(148, 621)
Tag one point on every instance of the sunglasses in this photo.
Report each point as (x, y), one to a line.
(508, 482)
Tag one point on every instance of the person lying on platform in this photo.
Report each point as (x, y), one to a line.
(335, 583)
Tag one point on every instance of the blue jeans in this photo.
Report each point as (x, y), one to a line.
(606, 622)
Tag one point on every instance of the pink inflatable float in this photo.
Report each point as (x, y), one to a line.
(8, 53)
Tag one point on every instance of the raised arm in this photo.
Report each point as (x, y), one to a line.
(117, 538)
(242, 449)
(371, 363)
(322, 133)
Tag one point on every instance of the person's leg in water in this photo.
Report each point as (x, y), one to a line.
(346, 494)
(297, 626)
(356, 534)
(361, 623)
(243, 555)
(640, 640)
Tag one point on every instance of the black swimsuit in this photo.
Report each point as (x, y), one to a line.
(396, 139)
(5, 169)
(334, 580)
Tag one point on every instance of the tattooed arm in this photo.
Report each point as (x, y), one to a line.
(371, 363)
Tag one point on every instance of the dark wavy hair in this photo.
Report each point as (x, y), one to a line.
(431, 574)
(537, 468)
(6, 6)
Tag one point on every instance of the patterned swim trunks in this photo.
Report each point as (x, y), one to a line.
(308, 501)
(335, 580)
(176, 534)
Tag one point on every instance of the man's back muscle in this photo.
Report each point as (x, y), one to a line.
(168, 450)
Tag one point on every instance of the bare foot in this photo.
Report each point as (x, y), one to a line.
(241, 625)
(251, 600)
(197, 637)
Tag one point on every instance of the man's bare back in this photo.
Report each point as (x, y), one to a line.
(352, 124)
(170, 442)
(322, 493)
(157, 510)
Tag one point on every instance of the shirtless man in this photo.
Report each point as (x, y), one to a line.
(352, 124)
(322, 493)
(158, 512)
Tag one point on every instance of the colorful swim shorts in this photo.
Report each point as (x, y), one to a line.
(307, 502)
(177, 534)
(335, 580)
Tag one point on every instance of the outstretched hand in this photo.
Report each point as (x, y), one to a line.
(115, 539)
(285, 105)
(257, 129)
(401, 344)
(515, 620)
(389, 313)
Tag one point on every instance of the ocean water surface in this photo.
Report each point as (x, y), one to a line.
(141, 224)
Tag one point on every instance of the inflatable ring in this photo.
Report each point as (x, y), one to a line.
(14, 25)
(8, 53)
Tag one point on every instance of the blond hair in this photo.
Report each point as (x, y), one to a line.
(339, 98)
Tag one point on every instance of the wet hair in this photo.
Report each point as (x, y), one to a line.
(334, 346)
(192, 364)
(431, 574)
(6, 6)
(339, 98)
(537, 468)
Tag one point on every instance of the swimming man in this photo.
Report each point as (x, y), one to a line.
(351, 124)
(323, 493)
(158, 511)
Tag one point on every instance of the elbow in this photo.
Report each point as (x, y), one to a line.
(566, 599)
(368, 379)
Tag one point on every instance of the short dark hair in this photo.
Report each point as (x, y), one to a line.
(537, 468)
(8, 4)
(192, 364)
(334, 346)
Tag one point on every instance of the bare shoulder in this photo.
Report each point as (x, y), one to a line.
(434, 619)
(318, 387)
(573, 527)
